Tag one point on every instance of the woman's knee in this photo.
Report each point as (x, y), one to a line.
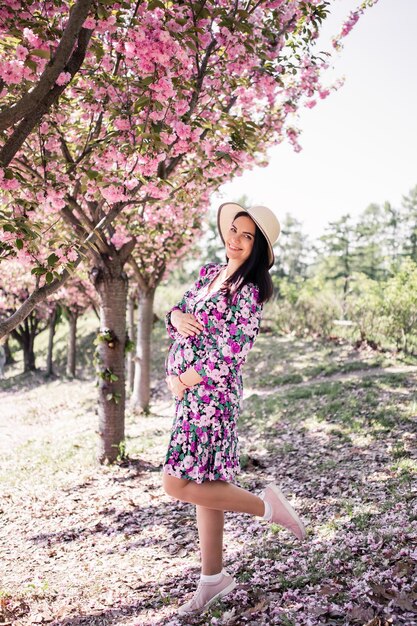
(173, 486)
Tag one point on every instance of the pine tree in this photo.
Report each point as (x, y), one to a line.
(409, 206)
(370, 234)
(338, 255)
(292, 251)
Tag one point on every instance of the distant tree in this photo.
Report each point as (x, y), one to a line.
(54, 317)
(393, 239)
(409, 205)
(400, 306)
(15, 285)
(338, 252)
(369, 235)
(292, 250)
(75, 297)
(364, 308)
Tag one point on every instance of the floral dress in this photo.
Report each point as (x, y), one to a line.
(204, 441)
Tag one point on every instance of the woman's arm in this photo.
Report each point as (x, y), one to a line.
(172, 319)
(185, 323)
(187, 379)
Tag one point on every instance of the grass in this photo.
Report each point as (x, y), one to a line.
(343, 449)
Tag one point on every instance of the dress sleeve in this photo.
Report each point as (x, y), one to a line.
(230, 347)
(182, 304)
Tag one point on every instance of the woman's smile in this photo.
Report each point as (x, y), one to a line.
(240, 239)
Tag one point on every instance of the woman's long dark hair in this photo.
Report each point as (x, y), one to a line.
(254, 270)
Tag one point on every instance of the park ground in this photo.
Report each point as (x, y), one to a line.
(334, 425)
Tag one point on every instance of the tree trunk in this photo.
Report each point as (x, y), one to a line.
(9, 356)
(25, 335)
(27, 344)
(111, 284)
(130, 361)
(52, 326)
(141, 388)
(72, 342)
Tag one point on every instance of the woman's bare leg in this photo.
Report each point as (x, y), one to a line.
(214, 494)
(210, 524)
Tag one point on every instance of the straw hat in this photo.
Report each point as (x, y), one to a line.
(263, 217)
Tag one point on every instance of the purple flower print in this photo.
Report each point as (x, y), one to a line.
(235, 347)
(204, 440)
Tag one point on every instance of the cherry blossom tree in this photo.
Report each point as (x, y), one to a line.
(76, 297)
(14, 288)
(43, 46)
(173, 100)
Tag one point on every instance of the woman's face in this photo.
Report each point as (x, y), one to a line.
(240, 238)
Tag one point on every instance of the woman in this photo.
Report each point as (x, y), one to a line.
(213, 328)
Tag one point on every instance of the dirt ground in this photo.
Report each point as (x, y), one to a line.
(82, 544)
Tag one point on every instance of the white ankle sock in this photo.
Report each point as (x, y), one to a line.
(268, 511)
(215, 578)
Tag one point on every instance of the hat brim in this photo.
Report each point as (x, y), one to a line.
(225, 217)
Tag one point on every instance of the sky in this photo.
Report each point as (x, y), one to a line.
(359, 144)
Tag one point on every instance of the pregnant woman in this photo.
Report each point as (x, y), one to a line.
(213, 328)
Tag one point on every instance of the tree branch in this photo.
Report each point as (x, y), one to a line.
(34, 98)
(41, 293)
(34, 116)
(138, 275)
(126, 250)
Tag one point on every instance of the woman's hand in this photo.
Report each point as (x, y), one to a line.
(175, 386)
(186, 323)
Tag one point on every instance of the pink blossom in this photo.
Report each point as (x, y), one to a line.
(33, 39)
(72, 255)
(122, 123)
(113, 193)
(167, 138)
(235, 347)
(21, 52)
(181, 107)
(119, 238)
(11, 72)
(10, 184)
(63, 78)
(89, 23)
(51, 200)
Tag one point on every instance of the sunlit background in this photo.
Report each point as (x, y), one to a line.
(360, 144)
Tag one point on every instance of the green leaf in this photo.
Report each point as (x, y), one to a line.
(31, 64)
(114, 378)
(155, 4)
(43, 54)
(141, 103)
(39, 271)
(52, 259)
(49, 277)
(147, 81)
(19, 244)
(92, 174)
(192, 46)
